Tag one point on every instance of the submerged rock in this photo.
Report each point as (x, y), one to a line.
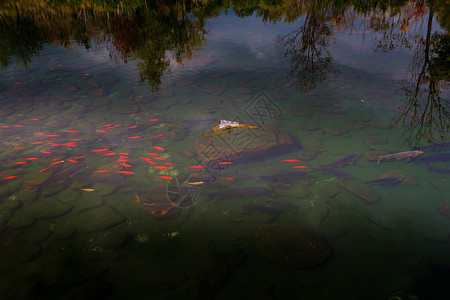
(292, 246)
(243, 145)
(359, 189)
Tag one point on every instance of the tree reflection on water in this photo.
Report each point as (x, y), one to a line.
(154, 33)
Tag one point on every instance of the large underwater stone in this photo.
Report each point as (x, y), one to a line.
(292, 246)
(243, 145)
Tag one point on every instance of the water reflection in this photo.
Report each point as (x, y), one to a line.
(306, 48)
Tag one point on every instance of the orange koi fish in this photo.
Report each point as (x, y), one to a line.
(160, 167)
(158, 148)
(149, 160)
(9, 177)
(125, 172)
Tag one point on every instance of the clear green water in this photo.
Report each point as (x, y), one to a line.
(77, 130)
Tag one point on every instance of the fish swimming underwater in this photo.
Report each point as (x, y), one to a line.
(400, 155)
(348, 160)
(285, 176)
(390, 181)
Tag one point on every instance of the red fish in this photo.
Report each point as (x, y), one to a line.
(160, 167)
(290, 160)
(159, 135)
(196, 167)
(37, 143)
(71, 131)
(51, 135)
(225, 163)
(76, 140)
(300, 167)
(71, 160)
(32, 158)
(169, 164)
(227, 178)
(99, 150)
(165, 177)
(125, 172)
(158, 148)
(38, 133)
(43, 170)
(101, 131)
(153, 154)
(20, 162)
(135, 137)
(101, 171)
(46, 152)
(153, 120)
(107, 125)
(132, 127)
(9, 177)
(18, 148)
(57, 162)
(158, 158)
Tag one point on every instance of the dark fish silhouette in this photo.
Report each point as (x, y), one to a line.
(441, 157)
(337, 173)
(248, 209)
(62, 174)
(434, 147)
(241, 192)
(286, 176)
(386, 181)
(348, 160)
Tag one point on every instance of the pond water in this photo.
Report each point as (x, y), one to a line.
(330, 180)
